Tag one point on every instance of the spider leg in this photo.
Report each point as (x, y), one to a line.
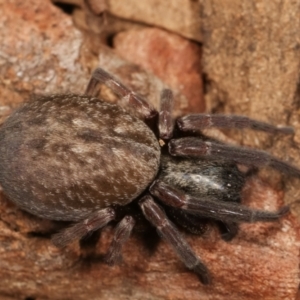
(122, 234)
(200, 121)
(128, 97)
(194, 147)
(228, 212)
(166, 122)
(166, 229)
(93, 222)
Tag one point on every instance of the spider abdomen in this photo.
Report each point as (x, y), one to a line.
(65, 156)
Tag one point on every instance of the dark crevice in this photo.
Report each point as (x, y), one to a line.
(206, 83)
(42, 235)
(218, 102)
(297, 96)
(110, 40)
(65, 7)
(49, 230)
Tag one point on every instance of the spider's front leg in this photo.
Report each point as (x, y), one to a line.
(195, 147)
(166, 229)
(127, 97)
(228, 212)
(165, 121)
(198, 122)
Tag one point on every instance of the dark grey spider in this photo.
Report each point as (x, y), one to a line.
(78, 158)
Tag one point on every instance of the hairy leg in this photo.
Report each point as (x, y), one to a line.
(228, 212)
(127, 97)
(197, 122)
(195, 147)
(166, 122)
(122, 234)
(166, 229)
(93, 222)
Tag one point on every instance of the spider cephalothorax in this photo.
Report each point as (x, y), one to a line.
(81, 159)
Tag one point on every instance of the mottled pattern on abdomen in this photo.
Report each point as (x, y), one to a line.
(64, 156)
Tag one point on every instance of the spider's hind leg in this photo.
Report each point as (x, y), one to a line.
(93, 222)
(122, 234)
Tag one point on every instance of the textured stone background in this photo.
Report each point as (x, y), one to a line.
(220, 56)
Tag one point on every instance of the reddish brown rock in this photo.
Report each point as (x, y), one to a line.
(180, 16)
(172, 58)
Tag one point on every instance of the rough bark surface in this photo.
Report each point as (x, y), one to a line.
(42, 52)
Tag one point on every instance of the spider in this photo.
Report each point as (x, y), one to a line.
(81, 159)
